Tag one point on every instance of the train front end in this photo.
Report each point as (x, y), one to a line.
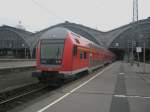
(50, 55)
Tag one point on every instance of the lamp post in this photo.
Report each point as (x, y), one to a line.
(144, 55)
(23, 45)
(144, 49)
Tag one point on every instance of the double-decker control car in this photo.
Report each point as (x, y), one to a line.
(62, 54)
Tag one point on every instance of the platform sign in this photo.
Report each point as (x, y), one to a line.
(116, 44)
(138, 49)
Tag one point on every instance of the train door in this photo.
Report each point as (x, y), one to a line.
(90, 60)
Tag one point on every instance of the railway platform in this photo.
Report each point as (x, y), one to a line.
(14, 64)
(119, 87)
(16, 73)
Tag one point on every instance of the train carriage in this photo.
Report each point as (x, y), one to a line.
(62, 54)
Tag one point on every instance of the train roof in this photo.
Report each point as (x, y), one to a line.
(61, 33)
(55, 33)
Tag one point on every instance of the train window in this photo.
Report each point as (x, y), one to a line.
(85, 55)
(75, 35)
(74, 50)
(81, 55)
(51, 51)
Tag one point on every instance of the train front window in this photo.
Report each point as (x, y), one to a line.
(52, 51)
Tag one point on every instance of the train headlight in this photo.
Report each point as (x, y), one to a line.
(59, 61)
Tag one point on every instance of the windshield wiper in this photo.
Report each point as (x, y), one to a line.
(57, 53)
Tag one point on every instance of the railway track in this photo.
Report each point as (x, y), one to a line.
(11, 99)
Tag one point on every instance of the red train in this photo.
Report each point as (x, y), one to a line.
(62, 54)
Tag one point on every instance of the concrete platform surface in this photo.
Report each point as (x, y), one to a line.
(16, 73)
(16, 64)
(120, 87)
(17, 79)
